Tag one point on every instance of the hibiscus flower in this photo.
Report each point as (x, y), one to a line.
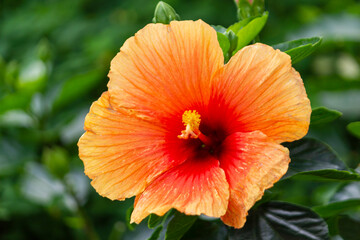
(180, 129)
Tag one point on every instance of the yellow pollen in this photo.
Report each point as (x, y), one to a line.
(191, 120)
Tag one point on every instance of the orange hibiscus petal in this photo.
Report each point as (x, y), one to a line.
(265, 93)
(165, 69)
(252, 164)
(123, 151)
(195, 187)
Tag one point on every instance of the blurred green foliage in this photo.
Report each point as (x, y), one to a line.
(54, 58)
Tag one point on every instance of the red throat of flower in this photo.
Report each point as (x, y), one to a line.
(191, 120)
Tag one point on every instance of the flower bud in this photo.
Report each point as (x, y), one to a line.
(250, 1)
(258, 7)
(250, 8)
(164, 13)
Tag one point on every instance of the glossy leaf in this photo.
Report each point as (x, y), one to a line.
(330, 175)
(32, 76)
(236, 27)
(249, 31)
(12, 157)
(156, 234)
(233, 39)
(332, 223)
(310, 156)
(77, 87)
(300, 48)
(354, 129)
(227, 41)
(39, 186)
(336, 208)
(179, 225)
(346, 192)
(154, 220)
(16, 118)
(322, 115)
(349, 228)
(219, 29)
(282, 221)
(224, 43)
(131, 226)
(18, 100)
(209, 230)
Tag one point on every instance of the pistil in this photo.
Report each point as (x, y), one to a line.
(191, 120)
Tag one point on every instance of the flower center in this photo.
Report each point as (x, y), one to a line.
(191, 120)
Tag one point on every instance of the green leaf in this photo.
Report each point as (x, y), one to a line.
(179, 225)
(300, 48)
(33, 76)
(219, 29)
(311, 158)
(37, 177)
(227, 40)
(209, 230)
(75, 222)
(233, 39)
(2, 69)
(282, 221)
(224, 43)
(156, 234)
(10, 74)
(56, 160)
(16, 118)
(321, 115)
(236, 27)
(311, 155)
(346, 192)
(77, 87)
(154, 220)
(18, 100)
(118, 230)
(44, 50)
(354, 129)
(330, 175)
(332, 223)
(336, 208)
(248, 32)
(349, 228)
(131, 226)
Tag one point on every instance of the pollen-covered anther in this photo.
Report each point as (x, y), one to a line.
(191, 120)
